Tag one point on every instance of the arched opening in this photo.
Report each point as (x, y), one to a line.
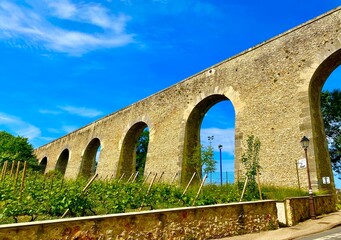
(218, 129)
(192, 139)
(141, 152)
(322, 157)
(62, 161)
(127, 163)
(43, 164)
(331, 114)
(90, 158)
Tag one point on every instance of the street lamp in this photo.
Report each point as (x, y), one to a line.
(305, 145)
(210, 139)
(221, 166)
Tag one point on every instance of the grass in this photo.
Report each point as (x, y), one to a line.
(281, 193)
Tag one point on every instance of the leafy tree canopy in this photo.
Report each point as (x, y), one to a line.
(331, 112)
(202, 160)
(16, 149)
(141, 151)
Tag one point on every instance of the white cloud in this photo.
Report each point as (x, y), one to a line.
(35, 27)
(19, 127)
(69, 128)
(63, 8)
(46, 111)
(224, 137)
(81, 111)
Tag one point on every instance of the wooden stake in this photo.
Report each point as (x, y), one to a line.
(131, 176)
(201, 185)
(119, 180)
(145, 180)
(173, 179)
(12, 168)
(160, 177)
(136, 174)
(244, 188)
(23, 179)
(4, 169)
(190, 181)
(16, 177)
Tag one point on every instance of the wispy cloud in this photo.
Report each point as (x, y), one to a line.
(34, 25)
(19, 127)
(224, 137)
(81, 111)
(69, 128)
(46, 111)
(201, 8)
(63, 129)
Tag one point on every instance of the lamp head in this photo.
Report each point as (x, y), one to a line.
(305, 142)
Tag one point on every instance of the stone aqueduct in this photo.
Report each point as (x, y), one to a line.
(274, 87)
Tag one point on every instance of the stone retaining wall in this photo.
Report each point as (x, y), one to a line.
(204, 222)
(297, 209)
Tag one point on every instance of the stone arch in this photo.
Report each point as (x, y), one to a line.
(192, 132)
(89, 164)
(318, 79)
(43, 164)
(127, 161)
(62, 161)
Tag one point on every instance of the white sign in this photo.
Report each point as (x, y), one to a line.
(302, 163)
(326, 180)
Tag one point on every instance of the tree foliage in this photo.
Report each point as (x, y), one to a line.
(250, 161)
(202, 160)
(141, 151)
(331, 112)
(16, 149)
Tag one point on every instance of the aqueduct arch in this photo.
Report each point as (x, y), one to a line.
(274, 88)
(192, 132)
(43, 164)
(88, 165)
(319, 78)
(62, 161)
(127, 162)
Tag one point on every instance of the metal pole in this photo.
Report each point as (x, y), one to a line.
(298, 176)
(311, 199)
(221, 169)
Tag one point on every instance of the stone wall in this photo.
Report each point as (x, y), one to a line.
(298, 209)
(204, 222)
(274, 88)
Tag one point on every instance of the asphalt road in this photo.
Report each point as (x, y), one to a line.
(332, 234)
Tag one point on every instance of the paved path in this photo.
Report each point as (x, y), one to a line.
(322, 223)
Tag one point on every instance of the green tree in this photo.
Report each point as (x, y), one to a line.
(202, 160)
(250, 161)
(331, 112)
(207, 159)
(16, 149)
(141, 151)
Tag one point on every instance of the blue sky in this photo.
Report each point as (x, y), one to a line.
(66, 63)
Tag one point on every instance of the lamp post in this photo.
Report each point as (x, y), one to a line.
(210, 139)
(221, 166)
(305, 145)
